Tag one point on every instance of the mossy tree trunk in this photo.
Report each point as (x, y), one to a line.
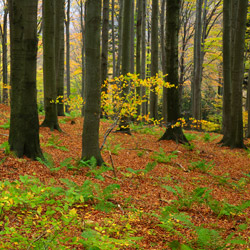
(173, 110)
(24, 124)
(90, 136)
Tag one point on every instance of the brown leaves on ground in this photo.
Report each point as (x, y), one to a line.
(143, 192)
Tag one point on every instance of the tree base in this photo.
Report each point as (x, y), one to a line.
(175, 134)
(51, 125)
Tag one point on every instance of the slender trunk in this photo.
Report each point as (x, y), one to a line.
(59, 55)
(143, 57)
(132, 49)
(172, 132)
(138, 48)
(104, 54)
(5, 56)
(154, 58)
(67, 23)
(49, 72)
(196, 97)
(120, 28)
(227, 66)
(113, 36)
(126, 36)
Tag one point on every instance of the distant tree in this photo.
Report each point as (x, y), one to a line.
(90, 136)
(196, 84)
(138, 47)
(67, 25)
(154, 57)
(126, 36)
(49, 72)
(4, 36)
(24, 123)
(113, 36)
(59, 53)
(132, 40)
(105, 38)
(173, 110)
(143, 57)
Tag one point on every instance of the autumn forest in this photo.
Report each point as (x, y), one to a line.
(124, 124)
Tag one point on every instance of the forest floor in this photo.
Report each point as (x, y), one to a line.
(153, 195)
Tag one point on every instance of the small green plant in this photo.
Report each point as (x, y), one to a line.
(189, 146)
(6, 125)
(190, 137)
(149, 167)
(55, 142)
(6, 147)
(161, 156)
(48, 161)
(206, 137)
(114, 149)
(202, 166)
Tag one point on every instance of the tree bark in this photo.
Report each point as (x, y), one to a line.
(126, 36)
(104, 55)
(113, 36)
(24, 124)
(4, 33)
(67, 24)
(173, 112)
(49, 72)
(154, 59)
(90, 136)
(196, 90)
(59, 54)
(138, 48)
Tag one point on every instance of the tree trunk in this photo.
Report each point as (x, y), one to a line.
(173, 112)
(104, 55)
(236, 132)
(143, 57)
(24, 124)
(59, 54)
(227, 66)
(83, 52)
(113, 36)
(132, 40)
(154, 58)
(120, 28)
(67, 24)
(163, 58)
(90, 136)
(5, 55)
(196, 90)
(126, 36)
(49, 73)
(138, 48)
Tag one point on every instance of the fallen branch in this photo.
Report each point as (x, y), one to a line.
(112, 163)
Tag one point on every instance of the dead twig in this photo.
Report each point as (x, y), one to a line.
(112, 163)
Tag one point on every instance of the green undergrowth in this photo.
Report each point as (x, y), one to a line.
(38, 216)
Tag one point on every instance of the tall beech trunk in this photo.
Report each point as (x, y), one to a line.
(126, 36)
(138, 48)
(132, 40)
(120, 28)
(59, 54)
(90, 136)
(154, 58)
(24, 124)
(49, 72)
(4, 35)
(104, 54)
(173, 111)
(196, 84)
(113, 36)
(67, 24)
(143, 58)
